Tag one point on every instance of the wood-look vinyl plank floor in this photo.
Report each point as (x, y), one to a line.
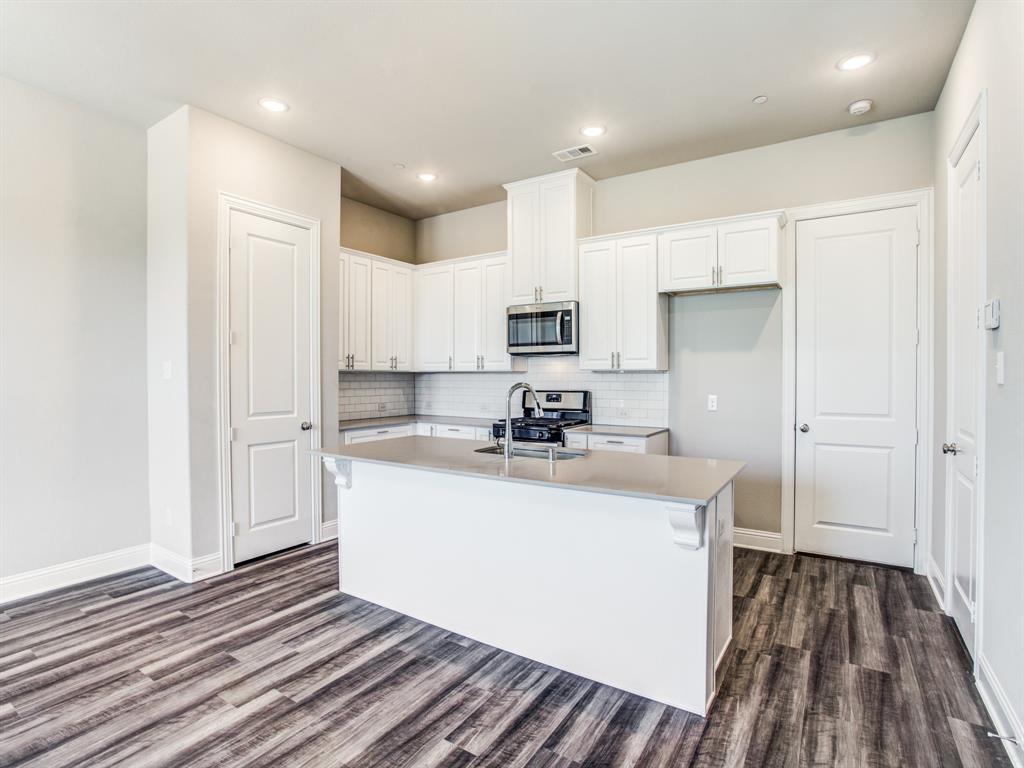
(833, 663)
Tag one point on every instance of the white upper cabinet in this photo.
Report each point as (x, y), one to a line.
(357, 310)
(741, 253)
(468, 317)
(623, 319)
(687, 259)
(546, 216)
(391, 317)
(461, 318)
(433, 300)
(748, 253)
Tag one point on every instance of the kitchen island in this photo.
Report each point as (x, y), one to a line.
(614, 567)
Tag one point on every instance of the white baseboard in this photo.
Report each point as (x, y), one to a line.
(34, 582)
(329, 530)
(1006, 721)
(936, 581)
(749, 538)
(183, 568)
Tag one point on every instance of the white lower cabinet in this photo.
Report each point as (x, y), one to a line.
(623, 318)
(655, 444)
(356, 436)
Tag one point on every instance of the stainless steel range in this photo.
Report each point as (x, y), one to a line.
(559, 410)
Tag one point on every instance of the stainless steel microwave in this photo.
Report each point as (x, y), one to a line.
(544, 329)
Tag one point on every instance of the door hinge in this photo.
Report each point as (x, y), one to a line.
(915, 535)
(234, 434)
(978, 166)
(235, 530)
(232, 338)
(975, 466)
(917, 436)
(917, 339)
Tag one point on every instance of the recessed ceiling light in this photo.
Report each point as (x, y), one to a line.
(426, 176)
(861, 107)
(855, 61)
(593, 130)
(400, 166)
(273, 105)
(760, 99)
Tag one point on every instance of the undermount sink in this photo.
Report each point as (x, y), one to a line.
(549, 454)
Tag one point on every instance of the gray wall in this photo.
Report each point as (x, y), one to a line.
(991, 57)
(370, 229)
(730, 345)
(73, 352)
(462, 233)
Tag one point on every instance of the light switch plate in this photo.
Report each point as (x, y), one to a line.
(712, 402)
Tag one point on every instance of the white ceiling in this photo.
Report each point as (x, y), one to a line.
(483, 92)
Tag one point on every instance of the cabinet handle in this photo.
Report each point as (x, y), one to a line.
(383, 431)
(541, 289)
(714, 274)
(614, 442)
(611, 363)
(351, 360)
(449, 362)
(719, 274)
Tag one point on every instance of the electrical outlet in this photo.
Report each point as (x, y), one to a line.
(381, 407)
(712, 402)
(166, 369)
(623, 412)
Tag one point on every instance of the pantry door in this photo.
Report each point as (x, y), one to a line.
(856, 423)
(270, 349)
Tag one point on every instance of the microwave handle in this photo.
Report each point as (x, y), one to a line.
(558, 327)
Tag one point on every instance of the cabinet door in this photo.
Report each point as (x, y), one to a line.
(523, 229)
(597, 306)
(432, 303)
(494, 317)
(401, 317)
(687, 259)
(467, 317)
(557, 258)
(640, 330)
(575, 441)
(343, 309)
(380, 318)
(748, 252)
(359, 320)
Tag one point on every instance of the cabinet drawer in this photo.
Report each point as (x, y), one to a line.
(355, 437)
(621, 444)
(457, 432)
(575, 441)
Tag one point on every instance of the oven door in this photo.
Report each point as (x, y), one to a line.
(544, 329)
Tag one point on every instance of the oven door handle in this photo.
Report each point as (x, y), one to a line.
(558, 327)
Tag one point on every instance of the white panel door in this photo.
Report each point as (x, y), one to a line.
(401, 318)
(748, 252)
(856, 389)
(432, 332)
(467, 316)
(637, 330)
(359, 312)
(966, 366)
(687, 259)
(557, 241)
(495, 288)
(523, 228)
(271, 469)
(343, 310)
(598, 306)
(381, 330)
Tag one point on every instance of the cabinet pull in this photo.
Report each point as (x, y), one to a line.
(383, 431)
(719, 274)
(453, 429)
(541, 289)
(449, 362)
(614, 442)
(611, 363)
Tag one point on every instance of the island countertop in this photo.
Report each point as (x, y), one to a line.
(676, 479)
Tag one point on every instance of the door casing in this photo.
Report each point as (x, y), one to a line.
(226, 203)
(922, 199)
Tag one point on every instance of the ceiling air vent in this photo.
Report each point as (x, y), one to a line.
(575, 153)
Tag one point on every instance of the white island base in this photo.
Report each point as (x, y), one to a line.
(632, 592)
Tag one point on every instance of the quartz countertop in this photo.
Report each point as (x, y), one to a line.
(617, 430)
(676, 479)
(392, 421)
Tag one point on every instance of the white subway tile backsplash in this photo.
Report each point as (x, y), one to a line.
(365, 395)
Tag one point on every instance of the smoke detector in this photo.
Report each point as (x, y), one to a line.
(575, 153)
(861, 107)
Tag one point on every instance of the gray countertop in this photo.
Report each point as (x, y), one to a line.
(618, 430)
(392, 421)
(677, 479)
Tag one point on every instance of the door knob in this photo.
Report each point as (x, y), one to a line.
(306, 426)
(950, 448)
(804, 428)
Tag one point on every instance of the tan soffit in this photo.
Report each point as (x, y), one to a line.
(483, 92)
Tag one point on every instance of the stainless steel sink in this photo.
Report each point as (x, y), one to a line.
(552, 453)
